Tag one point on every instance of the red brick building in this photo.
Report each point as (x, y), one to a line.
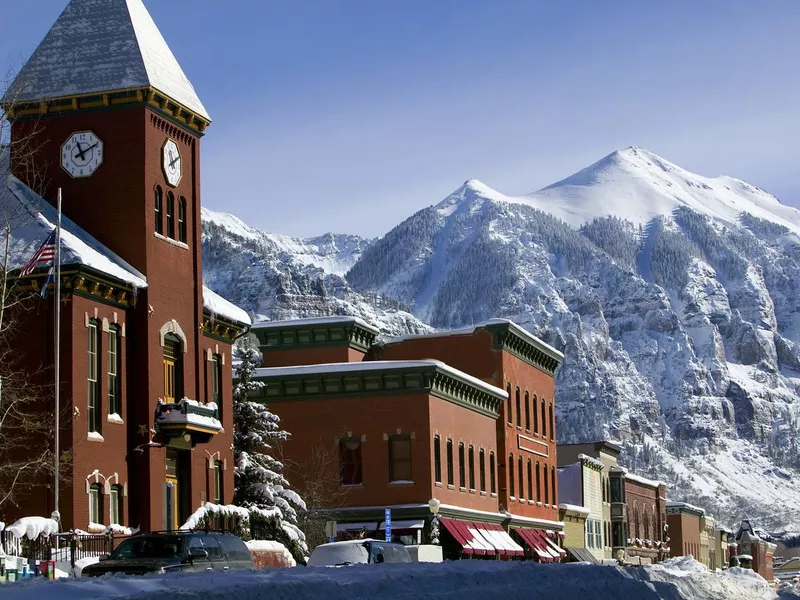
(145, 347)
(646, 508)
(465, 418)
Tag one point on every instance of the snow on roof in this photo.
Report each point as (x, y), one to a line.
(218, 306)
(103, 46)
(582, 510)
(315, 321)
(33, 527)
(529, 337)
(643, 480)
(591, 460)
(34, 219)
(685, 505)
(376, 365)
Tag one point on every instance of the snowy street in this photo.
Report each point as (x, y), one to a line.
(680, 579)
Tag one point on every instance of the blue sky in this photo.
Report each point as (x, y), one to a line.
(350, 115)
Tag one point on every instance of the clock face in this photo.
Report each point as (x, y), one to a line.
(172, 163)
(82, 154)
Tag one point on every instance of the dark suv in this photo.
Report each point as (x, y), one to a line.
(174, 551)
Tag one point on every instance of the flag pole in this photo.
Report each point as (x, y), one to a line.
(57, 356)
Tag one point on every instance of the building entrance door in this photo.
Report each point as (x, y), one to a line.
(173, 488)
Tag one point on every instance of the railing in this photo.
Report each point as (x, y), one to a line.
(62, 547)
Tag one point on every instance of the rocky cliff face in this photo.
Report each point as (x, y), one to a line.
(673, 296)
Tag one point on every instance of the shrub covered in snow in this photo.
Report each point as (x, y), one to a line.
(260, 486)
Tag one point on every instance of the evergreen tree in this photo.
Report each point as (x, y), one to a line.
(260, 485)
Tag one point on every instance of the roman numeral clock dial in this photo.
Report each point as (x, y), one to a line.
(171, 162)
(82, 154)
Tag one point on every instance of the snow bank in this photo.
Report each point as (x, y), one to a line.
(462, 580)
(33, 527)
(81, 563)
(271, 546)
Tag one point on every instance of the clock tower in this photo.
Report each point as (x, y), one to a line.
(117, 126)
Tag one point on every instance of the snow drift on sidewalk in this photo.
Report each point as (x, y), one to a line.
(682, 579)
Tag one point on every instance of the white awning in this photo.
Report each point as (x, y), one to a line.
(356, 526)
(408, 524)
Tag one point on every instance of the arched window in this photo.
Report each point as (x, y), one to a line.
(218, 487)
(159, 208)
(96, 503)
(171, 215)
(552, 423)
(538, 483)
(521, 478)
(519, 410)
(508, 404)
(462, 479)
(492, 471)
(94, 404)
(482, 467)
(472, 468)
(544, 416)
(437, 459)
(114, 371)
(450, 479)
(530, 480)
(511, 476)
(553, 499)
(546, 488)
(173, 368)
(115, 505)
(527, 412)
(535, 414)
(182, 219)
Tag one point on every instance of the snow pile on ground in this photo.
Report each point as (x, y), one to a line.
(681, 579)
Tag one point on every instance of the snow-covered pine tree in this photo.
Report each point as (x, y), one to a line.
(260, 485)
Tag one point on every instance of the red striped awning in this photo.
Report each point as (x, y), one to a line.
(501, 539)
(536, 543)
(453, 526)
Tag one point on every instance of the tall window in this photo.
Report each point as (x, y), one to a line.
(538, 483)
(462, 480)
(159, 207)
(96, 503)
(544, 416)
(115, 505)
(218, 493)
(171, 215)
(95, 410)
(114, 370)
(450, 480)
(521, 478)
(437, 459)
(182, 219)
(471, 468)
(173, 372)
(492, 474)
(511, 475)
(552, 423)
(216, 383)
(553, 499)
(519, 410)
(482, 469)
(530, 480)
(527, 412)
(400, 458)
(535, 414)
(508, 404)
(546, 488)
(350, 471)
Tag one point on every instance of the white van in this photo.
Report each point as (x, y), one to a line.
(358, 552)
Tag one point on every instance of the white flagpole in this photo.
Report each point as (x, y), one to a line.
(57, 515)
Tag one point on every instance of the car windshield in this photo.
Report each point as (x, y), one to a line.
(168, 546)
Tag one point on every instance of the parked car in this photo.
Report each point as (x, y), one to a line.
(173, 551)
(355, 552)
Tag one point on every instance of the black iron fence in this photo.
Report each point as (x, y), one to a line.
(61, 547)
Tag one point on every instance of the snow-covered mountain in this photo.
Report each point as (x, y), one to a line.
(279, 277)
(674, 297)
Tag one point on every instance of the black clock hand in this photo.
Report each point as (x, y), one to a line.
(172, 164)
(80, 153)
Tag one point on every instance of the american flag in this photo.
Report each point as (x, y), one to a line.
(43, 256)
